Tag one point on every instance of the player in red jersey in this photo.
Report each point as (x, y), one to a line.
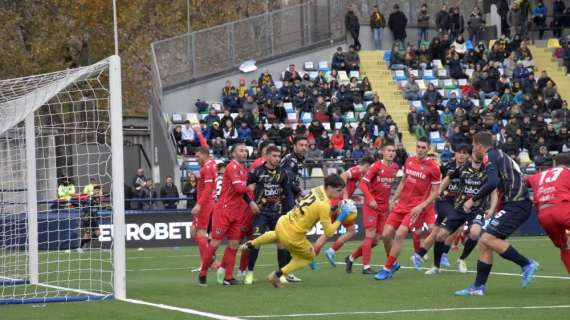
(351, 177)
(417, 190)
(227, 220)
(206, 193)
(376, 186)
(551, 196)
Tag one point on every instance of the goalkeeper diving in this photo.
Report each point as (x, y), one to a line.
(291, 229)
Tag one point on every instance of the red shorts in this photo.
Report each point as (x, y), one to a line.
(202, 219)
(428, 216)
(226, 223)
(400, 215)
(246, 227)
(344, 224)
(556, 220)
(374, 218)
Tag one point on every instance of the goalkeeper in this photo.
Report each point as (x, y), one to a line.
(292, 228)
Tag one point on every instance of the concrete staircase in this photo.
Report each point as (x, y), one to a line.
(544, 61)
(373, 66)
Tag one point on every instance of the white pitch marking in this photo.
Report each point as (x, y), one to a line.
(183, 310)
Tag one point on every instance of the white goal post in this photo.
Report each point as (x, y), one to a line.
(61, 174)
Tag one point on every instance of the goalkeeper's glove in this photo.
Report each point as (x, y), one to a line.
(345, 211)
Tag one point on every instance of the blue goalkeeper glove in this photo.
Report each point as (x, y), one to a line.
(345, 211)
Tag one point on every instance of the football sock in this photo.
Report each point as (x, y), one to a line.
(282, 257)
(84, 242)
(483, 271)
(390, 262)
(421, 251)
(513, 255)
(437, 253)
(230, 261)
(317, 249)
(366, 250)
(357, 252)
(337, 245)
(279, 273)
(288, 257)
(244, 260)
(417, 239)
(253, 253)
(208, 256)
(468, 248)
(202, 245)
(565, 256)
(445, 248)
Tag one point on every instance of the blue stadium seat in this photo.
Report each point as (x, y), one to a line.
(387, 56)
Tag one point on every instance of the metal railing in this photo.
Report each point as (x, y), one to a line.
(188, 57)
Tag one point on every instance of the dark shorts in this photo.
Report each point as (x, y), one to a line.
(443, 207)
(509, 219)
(89, 224)
(455, 219)
(479, 219)
(263, 223)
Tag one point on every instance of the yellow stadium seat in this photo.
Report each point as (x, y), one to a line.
(553, 43)
(492, 42)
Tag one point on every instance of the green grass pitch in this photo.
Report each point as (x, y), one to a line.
(163, 276)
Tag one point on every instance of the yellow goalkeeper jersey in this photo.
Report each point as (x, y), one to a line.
(312, 208)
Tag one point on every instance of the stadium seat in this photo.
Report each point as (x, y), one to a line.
(435, 82)
(449, 84)
(418, 105)
(291, 118)
(457, 93)
(421, 85)
(324, 66)
(435, 137)
(343, 77)
(288, 107)
(217, 106)
(442, 73)
(469, 45)
(462, 82)
(442, 92)
(327, 126)
(249, 150)
(400, 75)
(387, 56)
(358, 107)
(193, 118)
(317, 173)
(349, 117)
(177, 118)
(278, 84)
(313, 75)
(415, 73)
(306, 117)
(524, 158)
(437, 64)
(553, 43)
(309, 66)
(354, 74)
(234, 115)
(428, 74)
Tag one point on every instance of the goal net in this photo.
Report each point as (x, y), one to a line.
(60, 177)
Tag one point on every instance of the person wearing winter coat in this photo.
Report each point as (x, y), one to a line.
(353, 27)
(377, 23)
(423, 24)
(397, 23)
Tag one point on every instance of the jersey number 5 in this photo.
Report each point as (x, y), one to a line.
(306, 201)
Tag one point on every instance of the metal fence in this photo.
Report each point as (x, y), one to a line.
(200, 54)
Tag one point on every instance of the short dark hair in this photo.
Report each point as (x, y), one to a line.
(562, 159)
(367, 160)
(264, 144)
(271, 149)
(202, 150)
(463, 147)
(334, 181)
(424, 139)
(299, 138)
(235, 146)
(388, 142)
(483, 138)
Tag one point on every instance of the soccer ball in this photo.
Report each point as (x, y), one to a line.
(353, 211)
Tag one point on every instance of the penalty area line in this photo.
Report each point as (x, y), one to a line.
(296, 315)
(183, 310)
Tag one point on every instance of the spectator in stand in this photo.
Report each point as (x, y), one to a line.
(416, 123)
(286, 133)
(148, 192)
(453, 103)
(455, 67)
(216, 131)
(397, 22)
(227, 89)
(321, 110)
(475, 25)
(401, 155)
(249, 104)
(265, 79)
(558, 8)
(432, 119)
(189, 139)
(230, 133)
(219, 148)
(190, 190)
(460, 47)
(316, 128)
(442, 21)
(423, 24)
(543, 160)
(520, 72)
(313, 153)
(300, 102)
(515, 19)
(539, 18)
(244, 134)
(456, 23)
(487, 87)
(431, 96)
(412, 89)
(231, 101)
(396, 62)
(177, 133)
(377, 23)
(446, 118)
(274, 134)
(337, 142)
(352, 59)
(169, 190)
(258, 131)
(524, 55)
(66, 189)
(242, 89)
(323, 141)
(561, 117)
(353, 27)
(291, 74)
(338, 60)
(212, 117)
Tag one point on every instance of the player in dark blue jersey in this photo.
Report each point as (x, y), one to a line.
(444, 204)
(267, 182)
(504, 174)
(471, 177)
(292, 164)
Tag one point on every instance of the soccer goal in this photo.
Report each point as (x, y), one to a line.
(61, 174)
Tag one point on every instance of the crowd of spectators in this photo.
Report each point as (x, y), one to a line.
(335, 107)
